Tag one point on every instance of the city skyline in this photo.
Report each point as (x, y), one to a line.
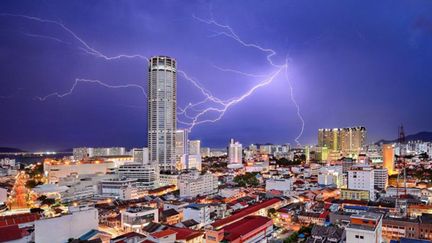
(369, 70)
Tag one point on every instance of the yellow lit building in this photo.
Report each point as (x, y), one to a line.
(388, 158)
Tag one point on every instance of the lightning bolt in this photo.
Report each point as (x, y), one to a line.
(213, 103)
(92, 81)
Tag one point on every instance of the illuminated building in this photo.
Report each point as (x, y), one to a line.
(193, 183)
(147, 175)
(162, 112)
(56, 170)
(140, 155)
(181, 143)
(348, 140)
(360, 195)
(235, 154)
(388, 158)
(381, 178)
(194, 147)
(362, 178)
(248, 229)
(135, 218)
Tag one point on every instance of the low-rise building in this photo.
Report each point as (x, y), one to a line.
(248, 229)
(193, 183)
(365, 227)
(134, 218)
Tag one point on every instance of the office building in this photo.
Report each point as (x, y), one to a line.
(362, 178)
(147, 175)
(194, 147)
(235, 152)
(162, 112)
(381, 178)
(181, 143)
(389, 158)
(193, 183)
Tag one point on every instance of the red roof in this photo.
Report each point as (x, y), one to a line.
(244, 226)
(245, 212)
(163, 233)
(10, 233)
(186, 233)
(18, 219)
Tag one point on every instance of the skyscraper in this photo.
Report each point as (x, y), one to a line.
(162, 112)
(235, 154)
(389, 158)
(181, 143)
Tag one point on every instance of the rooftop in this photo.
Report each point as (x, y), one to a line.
(244, 226)
(245, 212)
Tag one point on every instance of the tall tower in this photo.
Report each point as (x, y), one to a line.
(162, 112)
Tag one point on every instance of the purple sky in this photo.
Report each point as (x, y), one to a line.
(350, 63)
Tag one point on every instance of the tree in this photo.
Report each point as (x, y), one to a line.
(271, 213)
(48, 201)
(246, 180)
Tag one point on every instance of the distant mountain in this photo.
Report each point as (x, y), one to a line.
(423, 136)
(10, 150)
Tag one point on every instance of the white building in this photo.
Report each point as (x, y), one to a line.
(79, 221)
(3, 196)
(235, 153)
(135, 218)
(330, 175)
(168, 179)
(198, 212)
(205, 152)
(124, 189)
(162, 120)
(55, 170)
(365, 227)
(193, 183)
(284, 184)
(194, 162)
(362, 178)
(194, 147)
(147, 175)
(140, 155)
(381, 178)
(181, 143)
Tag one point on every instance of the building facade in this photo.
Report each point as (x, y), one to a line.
(162, 112)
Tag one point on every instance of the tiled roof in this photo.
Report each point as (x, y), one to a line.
(10, 233)
(244, 226)
(163, 233)
(245, 212)
(18, 219)
(185, 233)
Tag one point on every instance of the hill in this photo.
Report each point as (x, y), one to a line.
(423, 136)
(10, 150)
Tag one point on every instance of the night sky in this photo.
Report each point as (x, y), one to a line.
(350, 63)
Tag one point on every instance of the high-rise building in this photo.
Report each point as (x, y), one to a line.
(349, 140)
(388, 158)
(194, 147)
(235, 151)
(162, 112)
(181, 143)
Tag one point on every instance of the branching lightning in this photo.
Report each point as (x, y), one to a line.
(195, 113)
(92, 81)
